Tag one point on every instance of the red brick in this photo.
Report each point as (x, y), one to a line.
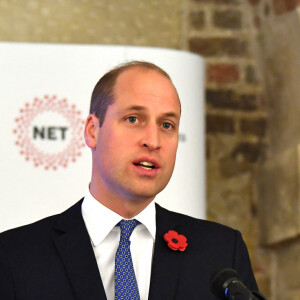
(197, 19)
(219, 124)
(223, 73)
(218, 46)
(228, 19)
(284, 6)
(253, 126)
(229, 99)
(254, 2)
(222, 98)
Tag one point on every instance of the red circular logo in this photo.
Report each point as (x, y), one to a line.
(49, 132)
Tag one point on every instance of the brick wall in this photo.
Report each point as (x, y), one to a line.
(222, 33)
(225, 32)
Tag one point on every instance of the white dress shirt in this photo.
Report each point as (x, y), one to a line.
(105, 236)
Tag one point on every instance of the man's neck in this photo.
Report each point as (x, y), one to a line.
(125, 207)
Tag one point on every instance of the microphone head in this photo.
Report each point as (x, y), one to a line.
(220, 280)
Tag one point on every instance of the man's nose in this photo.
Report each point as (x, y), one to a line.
(151, 138)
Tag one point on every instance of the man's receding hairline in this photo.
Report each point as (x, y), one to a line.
(144, 69)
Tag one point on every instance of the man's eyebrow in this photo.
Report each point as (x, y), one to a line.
(171, 114)
(135, 107)
(142, 108)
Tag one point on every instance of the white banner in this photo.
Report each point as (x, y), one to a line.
(45, 93)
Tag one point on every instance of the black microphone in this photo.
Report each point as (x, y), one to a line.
(226, 284)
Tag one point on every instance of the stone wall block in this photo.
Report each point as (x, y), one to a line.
(278, 187)
(231, 196)
(291, 295)
(288, 266)
(264, 283)
(278, 178)
(282, 49)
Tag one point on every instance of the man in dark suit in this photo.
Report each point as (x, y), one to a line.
(132, 131)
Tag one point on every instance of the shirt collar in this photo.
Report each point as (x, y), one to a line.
(100, 220)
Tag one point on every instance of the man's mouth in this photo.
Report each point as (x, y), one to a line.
(146, 165)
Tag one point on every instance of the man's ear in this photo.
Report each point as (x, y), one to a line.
(91, 131)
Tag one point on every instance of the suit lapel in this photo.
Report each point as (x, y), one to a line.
(75, 250)
(166, 262)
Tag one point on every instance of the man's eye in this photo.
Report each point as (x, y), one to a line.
(167, 125)
(132, 119)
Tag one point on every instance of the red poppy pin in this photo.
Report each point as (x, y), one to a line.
(175, 241)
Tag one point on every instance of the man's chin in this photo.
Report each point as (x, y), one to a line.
(144, 194)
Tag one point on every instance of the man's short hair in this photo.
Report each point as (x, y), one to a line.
(103, 93)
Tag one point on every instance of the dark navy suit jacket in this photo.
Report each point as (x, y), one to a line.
(53, 259)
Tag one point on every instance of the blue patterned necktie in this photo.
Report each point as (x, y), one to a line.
(125, 282)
